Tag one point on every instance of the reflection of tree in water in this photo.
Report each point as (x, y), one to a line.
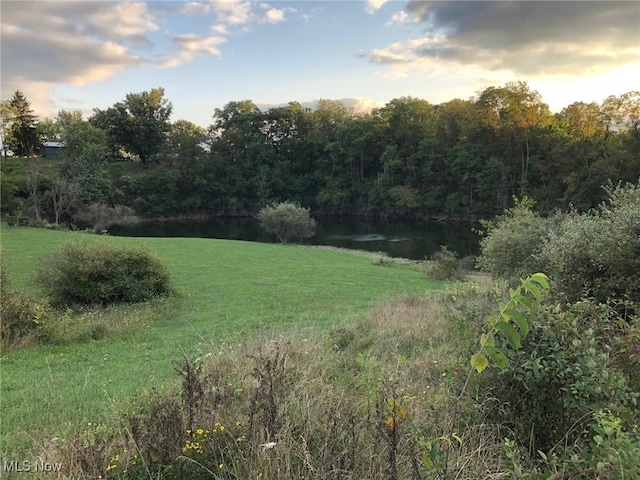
(397, 239)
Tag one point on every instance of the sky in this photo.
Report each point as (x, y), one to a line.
(81, 55)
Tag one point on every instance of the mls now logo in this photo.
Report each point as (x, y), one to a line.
(28, 466)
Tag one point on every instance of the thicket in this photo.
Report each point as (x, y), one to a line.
(100, 274)
(594, 254)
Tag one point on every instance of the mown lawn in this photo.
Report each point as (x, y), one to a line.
(228, 291)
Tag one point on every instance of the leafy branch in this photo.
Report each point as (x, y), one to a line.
(511, 321)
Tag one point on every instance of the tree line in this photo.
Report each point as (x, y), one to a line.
(458, 159)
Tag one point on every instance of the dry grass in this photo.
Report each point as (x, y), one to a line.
(362, 402)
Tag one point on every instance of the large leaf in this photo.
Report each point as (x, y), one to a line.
(519, 318)
(513, 337)
(541, 279)
(479, 362)
(531, 287)
(486, 339)
(519, 298)
(497, 356)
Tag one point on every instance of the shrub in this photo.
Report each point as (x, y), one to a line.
(598, 253)
(288, 221)
(510, 246)
(101, 216)
(101, 274)
(20, 316)
(445, 265)
(570, 366)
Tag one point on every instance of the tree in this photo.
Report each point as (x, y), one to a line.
(139, 124)
(289, 221)
(79, 135)
(65, 196)
(184, 141)
(21, 134)
(512, 114)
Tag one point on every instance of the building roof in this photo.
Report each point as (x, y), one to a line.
(54, 144)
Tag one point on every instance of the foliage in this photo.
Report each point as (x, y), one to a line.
(571, 366)
(610, 451)
(138, 124)
(597, 253)
(19, 125)
(89, 274)
(288, 221)
(511, 322)
(100, 216)
(461, 159)
(445, 265)
(20, 316)
(509, 247)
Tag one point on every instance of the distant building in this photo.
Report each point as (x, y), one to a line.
(52, 149)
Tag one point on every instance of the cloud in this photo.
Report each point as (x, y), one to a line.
(525, 38)
(232, 12)
(191, 45)
(274, 15)
(398, 18)
(195, 8)
(361, 105)
(79, 44)
(374, 5)
(219, 29)
(356, 105)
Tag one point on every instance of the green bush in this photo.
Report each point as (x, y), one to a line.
(445, 265)
(288, 221)
(571, 364)
(90, 274)
(509, 247)
(20, 317)
(598, 253)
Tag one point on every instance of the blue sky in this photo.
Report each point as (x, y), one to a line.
(80, 55)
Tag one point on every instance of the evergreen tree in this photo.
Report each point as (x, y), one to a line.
(21, 136)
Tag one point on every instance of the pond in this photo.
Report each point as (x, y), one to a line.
(408, 239)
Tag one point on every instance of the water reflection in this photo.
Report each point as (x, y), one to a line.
(409, 239)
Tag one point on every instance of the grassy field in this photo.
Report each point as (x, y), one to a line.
(228, 291)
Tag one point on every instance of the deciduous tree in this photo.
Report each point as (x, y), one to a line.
(139, 124)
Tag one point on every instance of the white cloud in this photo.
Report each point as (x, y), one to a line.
(195, 8)
(361, 105)
(374, 5)
(274, 15)
(219, 29)
(123, 20)
(191, 45)
(398, 18)
(232, 12)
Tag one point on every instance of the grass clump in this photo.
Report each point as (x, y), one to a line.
(101, 273)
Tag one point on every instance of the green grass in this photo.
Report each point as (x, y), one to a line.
(228, 291)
